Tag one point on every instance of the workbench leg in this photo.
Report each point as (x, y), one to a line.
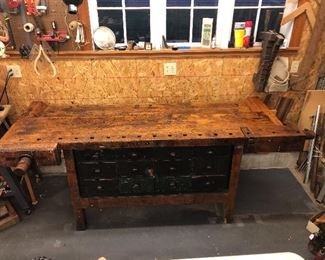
(80, 217)
(79, 212)
(229, 205)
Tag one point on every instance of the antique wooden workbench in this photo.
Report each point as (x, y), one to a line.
(148, 155)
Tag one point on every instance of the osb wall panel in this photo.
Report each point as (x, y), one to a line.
(134, 81)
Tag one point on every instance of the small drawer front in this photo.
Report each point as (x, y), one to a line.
(173, 185)
(139, 185)
(88, 155)
(174, 168)
(134, 154)
(137, 168)
(93, 188)
(212, 151)
(93, 170)
(205, 167)
(173, 153)
(209, 183)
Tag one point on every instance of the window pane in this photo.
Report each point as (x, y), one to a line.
(206, 2)
(110, 3)
(137, 3)
(273, 20)
(274, 2)
(178, 2)
(138, 25)
(246, 3)
(178, 25)
(113, 20)
(243, 15)
(199, 14)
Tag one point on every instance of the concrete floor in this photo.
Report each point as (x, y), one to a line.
(271, 215)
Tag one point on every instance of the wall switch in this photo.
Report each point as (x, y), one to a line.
(170, 69)
(295, 66)
(15, 69)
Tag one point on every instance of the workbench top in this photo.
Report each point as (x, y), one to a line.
(44, 130)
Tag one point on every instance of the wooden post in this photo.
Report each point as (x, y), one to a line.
(78, 211)
(233, 183)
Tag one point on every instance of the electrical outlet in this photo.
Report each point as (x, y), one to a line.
(15, 69)
(170, 69)
(295, 66)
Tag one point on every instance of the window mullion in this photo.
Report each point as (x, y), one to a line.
(93, 15)
(124, 22)
(257, 21)
(191, 21)
(224, 22)
(157, 22)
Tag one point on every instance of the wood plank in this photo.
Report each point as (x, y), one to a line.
(298, 28)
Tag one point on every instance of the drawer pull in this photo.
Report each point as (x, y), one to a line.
(97, 171)
(99, 187)
(134, 155)
(135, 169)
(172, 168)
(135, 186)
(172, 154)
(209, 167)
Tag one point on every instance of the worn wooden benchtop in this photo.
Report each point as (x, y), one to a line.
(45, 130)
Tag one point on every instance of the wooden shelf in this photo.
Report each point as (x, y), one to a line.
(140, 54)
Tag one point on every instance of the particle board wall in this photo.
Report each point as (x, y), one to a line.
(135, 81)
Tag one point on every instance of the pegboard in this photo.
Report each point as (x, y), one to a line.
(56, 11)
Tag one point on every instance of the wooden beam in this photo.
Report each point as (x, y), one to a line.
(83, 12)
(298, 28)
(305, 8)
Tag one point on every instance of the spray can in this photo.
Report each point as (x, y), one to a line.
(239, 32)
(248, 32)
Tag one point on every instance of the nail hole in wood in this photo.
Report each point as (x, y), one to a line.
(215, 134)
(199, 134)
(123, 136)
(170, 135)
(91, 137)
(108, 137)
(154, 136)
(76, 138)
(60, 138)
(230, 133)
(38, 139)
(184, 134)
(273, 132)
(139, 136)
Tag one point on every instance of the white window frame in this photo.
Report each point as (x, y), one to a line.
(158, 15)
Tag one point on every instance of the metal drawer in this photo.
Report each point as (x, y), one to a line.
(137, 185)
(91, 170)
(136, 168)
(92, 188)
(210, 183)
(173, 185)
(174, 168)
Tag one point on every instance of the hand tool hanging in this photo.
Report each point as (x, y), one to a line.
(12, 43)
(73, 5)
(13, 6)
(36, 7)
(42, 52)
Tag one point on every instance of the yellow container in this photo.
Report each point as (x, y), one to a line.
(239, 34)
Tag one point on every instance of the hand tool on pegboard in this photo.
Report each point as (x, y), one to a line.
(12, 42)
(42, 53)
(36, 7)
(13, 6)
(73, 5)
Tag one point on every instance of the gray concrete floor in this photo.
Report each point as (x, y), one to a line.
(272, 212)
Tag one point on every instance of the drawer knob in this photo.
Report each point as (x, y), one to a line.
(97, 171)
(173, 154)
(99, 187)
(172, 168)
(135, 186)
(135, 169)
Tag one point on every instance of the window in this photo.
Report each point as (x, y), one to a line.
(180, 21)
